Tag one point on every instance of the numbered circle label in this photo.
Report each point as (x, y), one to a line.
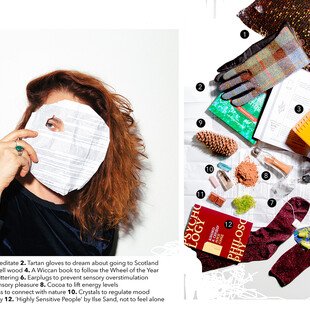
(209, 169)
(228, 224)
(200, 194)
(299, 108)
(244, 34)
(266, 175)
(200, 86)
(201, 123)
(271, 202)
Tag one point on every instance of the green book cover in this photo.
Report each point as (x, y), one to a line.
(242, 119)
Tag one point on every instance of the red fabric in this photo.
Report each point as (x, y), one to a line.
(291, 264)
(264, 242)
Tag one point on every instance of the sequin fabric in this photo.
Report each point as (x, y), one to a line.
(290, 265)
(267, 16)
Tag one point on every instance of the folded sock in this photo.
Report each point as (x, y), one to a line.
(291, 264)
(264, 242)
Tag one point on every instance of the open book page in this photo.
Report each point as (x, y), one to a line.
(287, 104)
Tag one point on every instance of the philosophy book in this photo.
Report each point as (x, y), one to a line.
(217, 233)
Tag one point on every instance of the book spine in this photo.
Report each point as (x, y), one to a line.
(194, 228)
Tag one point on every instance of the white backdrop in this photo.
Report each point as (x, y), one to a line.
(212, 37)
(200, 39)
(140, 65)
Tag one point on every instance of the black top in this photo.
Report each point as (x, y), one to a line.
(33, 226)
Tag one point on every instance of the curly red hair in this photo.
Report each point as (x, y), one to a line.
(110, 198)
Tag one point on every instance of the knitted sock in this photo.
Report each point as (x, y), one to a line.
(291, 264)
(264, 242)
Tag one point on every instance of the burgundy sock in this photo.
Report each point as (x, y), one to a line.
(264, 242)
(291, 264)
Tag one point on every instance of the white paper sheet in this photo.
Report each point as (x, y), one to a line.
(279, 116)
(68, 158)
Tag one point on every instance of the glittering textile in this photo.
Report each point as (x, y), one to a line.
(264, 242)
(264, 69)
(291, 264)
(267, 16)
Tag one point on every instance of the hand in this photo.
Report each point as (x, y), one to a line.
(10, 162)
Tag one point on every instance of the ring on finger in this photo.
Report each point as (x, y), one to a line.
(19, 149)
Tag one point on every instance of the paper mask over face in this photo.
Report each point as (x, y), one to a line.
(72, 143)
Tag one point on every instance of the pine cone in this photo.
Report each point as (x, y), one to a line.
(217, 143)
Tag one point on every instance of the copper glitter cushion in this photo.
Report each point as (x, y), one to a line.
(267, 17)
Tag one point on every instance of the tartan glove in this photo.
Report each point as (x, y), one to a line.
(252, 50)
(262, 66)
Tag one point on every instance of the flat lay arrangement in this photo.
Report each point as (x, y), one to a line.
(261, 154)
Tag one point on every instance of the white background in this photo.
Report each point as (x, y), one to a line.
(159, 76)
(141, 65)
(212, 37)
(143, 14)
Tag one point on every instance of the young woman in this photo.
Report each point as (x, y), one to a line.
(38, 219)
